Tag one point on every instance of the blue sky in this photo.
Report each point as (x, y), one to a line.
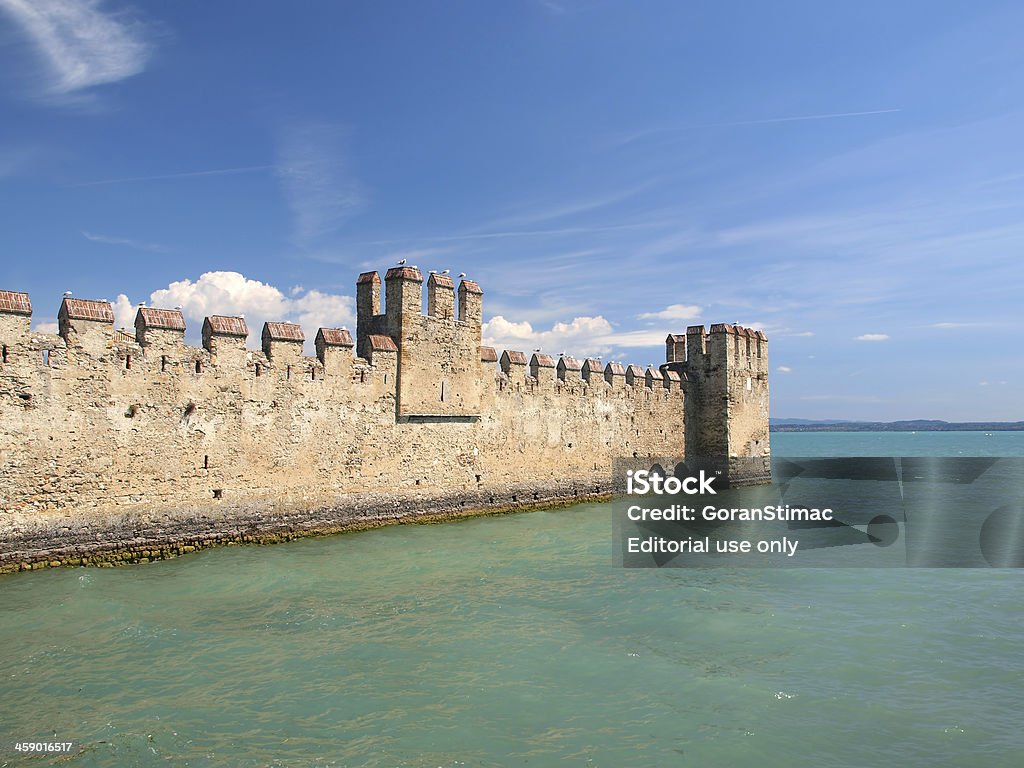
(848, 177)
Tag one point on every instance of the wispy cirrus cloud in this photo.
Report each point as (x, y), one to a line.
(946, 326)
(185, 175)
(674, 129)
(127, 242)
(872, 337)
(81, 44)
(15, 160)
(320, 189)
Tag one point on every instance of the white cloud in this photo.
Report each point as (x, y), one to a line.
(124, 312)
(872, 337)
(139, 245)
(673, 312)
(49, 327)
(581, 337)
(232, 293)
(949, 326)
(802, 334)
(784, 369)
(319, 187)
(314, 310)
(82, 45)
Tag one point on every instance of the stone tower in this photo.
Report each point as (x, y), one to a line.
(440, 374)
(725, 373)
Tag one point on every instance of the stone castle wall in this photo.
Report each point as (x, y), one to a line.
(112, 441)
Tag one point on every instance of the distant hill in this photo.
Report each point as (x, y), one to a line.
(775, 422)
(913, 425)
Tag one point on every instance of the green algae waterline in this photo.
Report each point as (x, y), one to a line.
(514, 641)
(164, 546)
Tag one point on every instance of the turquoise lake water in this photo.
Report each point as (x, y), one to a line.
(514, 641)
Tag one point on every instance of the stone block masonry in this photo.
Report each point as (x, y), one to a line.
(125, 447)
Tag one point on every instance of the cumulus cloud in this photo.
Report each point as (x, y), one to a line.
(82, 45)
(582, 336)
(673, 312)
(124, 312)
(232, 293)
(784, 369)
(872, 337)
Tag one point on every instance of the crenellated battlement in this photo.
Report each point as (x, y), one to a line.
(727, 367)
(415, 348)
(95, 418)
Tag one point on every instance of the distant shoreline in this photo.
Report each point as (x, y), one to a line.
(920, 425)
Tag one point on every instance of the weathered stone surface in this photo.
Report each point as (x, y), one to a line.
(113, 449)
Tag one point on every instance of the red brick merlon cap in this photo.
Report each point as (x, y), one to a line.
(368, 277)
(488, 355)
(513, 357)
(593, 366)
(380, 343)
(678, 337)
(654, 373)
(615, 369)
(442, 281)
(542, 361)
(404, 273)
(567, 363)
(672, 376)
(222, 325)
(722, 328)
(164, 319)
(761, 335)
(15, 303)
(87, 309)
(468, 286)
(283, 332)
(334, 337)
(635, 370)
(694, 329)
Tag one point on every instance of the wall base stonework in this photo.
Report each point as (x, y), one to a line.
(32, 542)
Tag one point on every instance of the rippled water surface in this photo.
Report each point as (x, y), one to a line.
(513, 641)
